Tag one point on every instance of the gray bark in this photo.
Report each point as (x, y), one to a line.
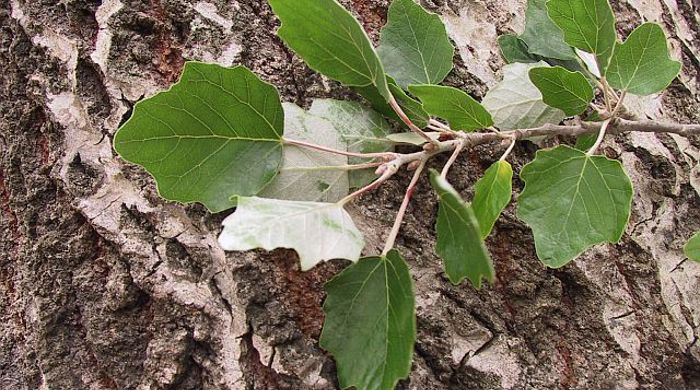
(105, 286)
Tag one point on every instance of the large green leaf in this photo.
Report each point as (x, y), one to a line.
(641, 65)
(692, 248)
(412, 108)
(516, 103)
(307, 174)
(362, 129)
(414, 45)
(492, 193)
(568, 91)
(331, 41)
(462, 111)
(459, 241)
(588, 25)
(573, 201)
(370, 325)
(317, 231)
(542, 36)
(214, 134)
(514, 49)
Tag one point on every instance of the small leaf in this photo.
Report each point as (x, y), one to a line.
(641, 65)
(370, 325)
(588, 25)
(317, 231)
(542, 37)
(413, 109)
(310, 175)
(567, 91)
(215, 133)
(516, 103)
(414, 45)
(331, 42)
(462, 111)
(459, 241)
(692, 248)
(362, 129)
(514, 49)
(492, 193)
(412, 138)
(573, 201)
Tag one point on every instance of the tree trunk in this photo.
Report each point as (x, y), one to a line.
(105, 286)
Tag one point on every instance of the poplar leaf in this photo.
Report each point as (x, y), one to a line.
(331, 41)
(692, 248)
(317, 231)
(641, 65)
(412, 108)
(568, 91)
(307, 174)
(516, 103)
(573, 201)
(459, 240)
(588, 25)
(514, 49)
(492, 193)
(370, 325)
(362, 129)
(542, 37)
(215, 133)
(462, 111)
(414, 45)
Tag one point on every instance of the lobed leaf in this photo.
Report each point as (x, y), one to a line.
(306, 174)
(642, 65)
(362, 129)
(331, 41)
(588, 25)
(492, 193)
(573, 201)
(414, 46)
(516, 103)
(216, 133)
(568, 91)
(692, 248)
(370, 325)
(317, 231)
(542, 36)
(459, 239)
(462, 111)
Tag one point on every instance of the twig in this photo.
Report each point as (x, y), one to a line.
(453, 158)
(509, 150)
(402, 210)
(321, 148)
(601, 136)
(405, 119)
(387, 173)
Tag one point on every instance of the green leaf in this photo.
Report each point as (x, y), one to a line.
(641, 65)
(514, 49)
(542, 36)
(317, 231)
(586, 141)
(462, 111)
(331, 42)
(214, 134)
(306, 174)
(370, 325)
(362, 129)
(414, 45)
(573, 201)
(413, 109)
(588, 25)
(459, 241)
(412, 138)
(692, 248)
(492, 193)
(516, 103)
(568, 91)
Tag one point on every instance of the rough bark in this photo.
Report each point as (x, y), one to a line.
(105, 286)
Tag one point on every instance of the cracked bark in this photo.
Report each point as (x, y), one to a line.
(104, 286)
